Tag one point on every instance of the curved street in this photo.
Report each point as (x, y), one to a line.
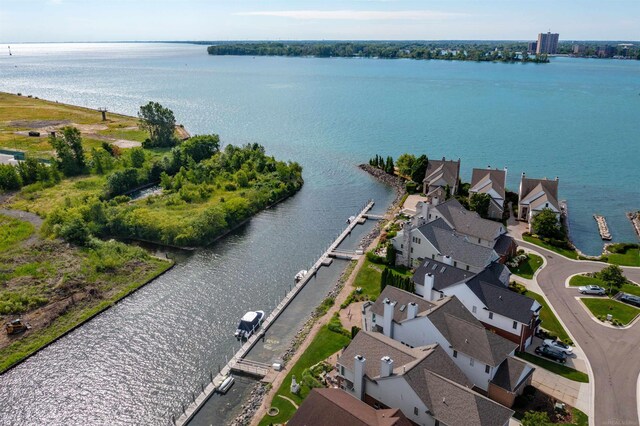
(612, 353)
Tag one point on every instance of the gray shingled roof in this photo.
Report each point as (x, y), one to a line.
(467, 222)
(444, 275)
(509, 372)
(503, 244)
(454, 407)
(451, 243)
(482, 180)
(501, 300)
(402, 298)
(467, 335)
(337, 407)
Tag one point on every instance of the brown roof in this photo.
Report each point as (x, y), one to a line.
(482, 180)
(448, 170)
(402, 299)
(336, 407)
(537, 191)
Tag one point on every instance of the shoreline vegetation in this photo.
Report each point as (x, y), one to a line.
(510, 52)
(64, 211)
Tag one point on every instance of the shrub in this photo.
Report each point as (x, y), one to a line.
(372, 257)
(336, 326)
(9, 178)
(411, 187)
(517, 287)
(325, 305)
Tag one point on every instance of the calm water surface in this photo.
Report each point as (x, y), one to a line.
(575, 119)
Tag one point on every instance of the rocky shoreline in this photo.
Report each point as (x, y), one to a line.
(395, 182)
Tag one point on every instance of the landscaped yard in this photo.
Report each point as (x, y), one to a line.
(620, 311)
(368, 277)
(630, 258)
(549, 320)
(324, 344)
(583, 280)
(528, 267)
(571, 254)
(554, 367)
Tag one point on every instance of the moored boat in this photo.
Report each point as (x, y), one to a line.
(226, 384)
(249, 323)
(300, 275)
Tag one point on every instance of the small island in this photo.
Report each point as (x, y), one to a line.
(77, 184)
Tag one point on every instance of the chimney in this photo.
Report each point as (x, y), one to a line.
(412, 310)
(557, 178)
(405, 257)
(386, 366)
(448, 260)
(425, 211)
(359, 363)
(387, 326)
(505, 176)
(429, 280)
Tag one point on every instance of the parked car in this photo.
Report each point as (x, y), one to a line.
(592, 289)
(558, 345)
(550, 353)
(630, 299)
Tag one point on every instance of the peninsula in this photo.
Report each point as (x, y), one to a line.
(68, 183)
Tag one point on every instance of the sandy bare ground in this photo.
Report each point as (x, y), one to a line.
(88, 131)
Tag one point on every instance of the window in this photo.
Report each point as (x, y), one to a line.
(433, 256)
(473, 309)
(487, 369)
(373, 317)
(401, 245)
(455, 354)
(490, 315)
(471, 362)
(515, 325)
(467, 267)
(415, 411)
(479, 240)
(341, 370)
(411, 249)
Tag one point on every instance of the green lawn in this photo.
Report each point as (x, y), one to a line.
(13, 231)
(630, 258)
(369, 277)
(549, 320)
(324, 344)
(529, 267)
(583, 280)
(631, 289)
(554, 367)
(620, 311)
(571, 254)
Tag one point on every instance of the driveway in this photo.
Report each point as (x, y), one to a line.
(612, 353)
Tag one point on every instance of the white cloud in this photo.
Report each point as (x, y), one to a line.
(354, 15)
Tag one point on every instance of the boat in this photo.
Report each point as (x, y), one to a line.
(351, 219)
(226, 384)
(299, 276)
(249, 323)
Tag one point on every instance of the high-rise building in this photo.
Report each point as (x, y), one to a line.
(532, 47)
(547, 43)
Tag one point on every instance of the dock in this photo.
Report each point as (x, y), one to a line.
(634, 217)
(238, 363)
(603, 228)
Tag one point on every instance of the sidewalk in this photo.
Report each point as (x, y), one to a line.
(573, 393)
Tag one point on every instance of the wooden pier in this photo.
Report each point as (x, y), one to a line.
(238, 363)
(603, 228)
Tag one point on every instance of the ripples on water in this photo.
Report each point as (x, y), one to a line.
(139, 362)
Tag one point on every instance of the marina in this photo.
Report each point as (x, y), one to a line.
(238, 363)
(603, 228)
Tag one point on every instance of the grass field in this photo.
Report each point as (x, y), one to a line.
(630, 258)
(43, 116)
(620, 311)
(324, 344)
(554, 367)
(56, 287)
(583, 280)
(528, 268)
(369, 276)
(549, 320)
(571, 254)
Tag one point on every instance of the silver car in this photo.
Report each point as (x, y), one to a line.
(592, 289)
(558, 345)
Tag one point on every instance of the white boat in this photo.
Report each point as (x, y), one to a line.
(249, 323)
(226, 384)
(351, 219)
(300, 275)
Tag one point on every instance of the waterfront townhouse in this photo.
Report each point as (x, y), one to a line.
(441, 174)
(422, 382)
(486, 295)
(336, 407)
(493, 183)
(485, 358)
(537, 195)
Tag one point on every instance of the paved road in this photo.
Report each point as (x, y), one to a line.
(614, 354)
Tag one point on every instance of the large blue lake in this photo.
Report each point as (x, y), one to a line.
(573, 118)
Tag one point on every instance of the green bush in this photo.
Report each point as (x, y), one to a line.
(326, 304)
(375, 258)
(411, 187)
(336, 326)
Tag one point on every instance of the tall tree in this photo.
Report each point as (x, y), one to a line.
(419, 169)
(159, 122)
(546, 224)
(479, 203)
(69, 151)
(404, 163)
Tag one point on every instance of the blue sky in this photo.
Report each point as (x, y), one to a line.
(115, 20)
